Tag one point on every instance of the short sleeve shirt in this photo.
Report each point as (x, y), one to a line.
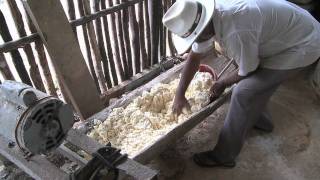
(273, 34)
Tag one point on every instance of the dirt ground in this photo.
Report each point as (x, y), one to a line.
(290, 152)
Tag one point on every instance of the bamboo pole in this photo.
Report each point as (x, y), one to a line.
(96, 52)
(121, 42)
(154, 13)
(115, 44)
(147, 31)
(4, 68)
(125, 28)
(101, 45)
(43, 62)
(87, 45)
(109, 47)
(135, 41)
(34, 70)
(16, 57)
(144, 56)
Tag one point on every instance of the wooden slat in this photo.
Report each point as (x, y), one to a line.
(43, 61)
(4, 68)
(69, 64)
(34, 70)
(165, 4)
(96, 51)
(125, 28)
(123, 56)
(147, 31)
(154, 14)
(104, 12)
(135, 41)
(99, 33)
(87, 46)
(144, 56)
(161, 30)
(37, 167)
(108, 45)
(19, 43)
(114, 43)
(16, 57)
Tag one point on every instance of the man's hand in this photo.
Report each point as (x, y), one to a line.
(179, 103)
(216, 90)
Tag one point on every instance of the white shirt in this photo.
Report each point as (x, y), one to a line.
(273, 34)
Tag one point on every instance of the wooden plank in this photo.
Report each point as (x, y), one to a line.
(108, 45)
(138, 80)
(68, 63)
(104, 12)
(16, 57)
(4, 68)
(37, 167)
(101, 45)
(62, 149)
(34, 70)
(19, 43)
(96, 51)
(130, 167)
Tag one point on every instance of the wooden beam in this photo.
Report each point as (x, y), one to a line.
(20, 43)
(65, 53)
(104, 12)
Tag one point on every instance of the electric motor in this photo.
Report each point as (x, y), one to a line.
(35, 121)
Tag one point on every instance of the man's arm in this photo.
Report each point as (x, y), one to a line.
(231, 79)
(190, 68)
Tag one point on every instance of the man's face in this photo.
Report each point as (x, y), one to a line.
(206, 34)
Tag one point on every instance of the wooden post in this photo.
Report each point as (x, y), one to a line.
(121, 42)
(108, 44)
(160, 26)
(96, 52)
(147, 30)
(154, 13)
(4, 68)
(125, 28)
(101, 45)
(34, 70)
(65, 53)
(144, 56)
(135, 41)
(165, 4)
(72, 14)
(43, 62)
(16, 57)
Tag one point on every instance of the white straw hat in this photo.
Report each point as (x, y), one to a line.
(186, 19)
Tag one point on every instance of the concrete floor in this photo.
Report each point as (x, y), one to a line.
(291, 152)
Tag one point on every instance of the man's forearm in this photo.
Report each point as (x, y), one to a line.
(232, 79)
(191, 67)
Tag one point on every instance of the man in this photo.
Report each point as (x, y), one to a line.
(270, 40)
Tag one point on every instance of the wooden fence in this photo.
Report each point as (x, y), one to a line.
(119, 39)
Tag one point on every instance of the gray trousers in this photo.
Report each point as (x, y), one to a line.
(247, 108)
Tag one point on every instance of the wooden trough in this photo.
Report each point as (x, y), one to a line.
(152, 150)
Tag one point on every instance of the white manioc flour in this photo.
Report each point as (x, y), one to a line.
(150, 116)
